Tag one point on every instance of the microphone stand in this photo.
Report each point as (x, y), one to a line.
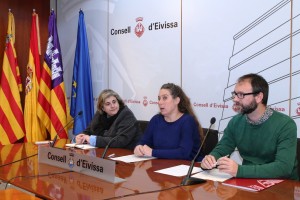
(52, 143)
(114, 138)
(188, 180)
(106, 148)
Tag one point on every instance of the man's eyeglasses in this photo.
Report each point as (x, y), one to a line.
(242, 95)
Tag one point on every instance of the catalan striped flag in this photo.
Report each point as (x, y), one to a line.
(35, 130)
(11, 114)
(53, 108)
(10, 154)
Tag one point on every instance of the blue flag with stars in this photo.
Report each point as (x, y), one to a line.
(82, 92)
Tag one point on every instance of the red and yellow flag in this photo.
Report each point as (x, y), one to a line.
(8, 157)
(11, 114)
(53, 109)
(35, 130)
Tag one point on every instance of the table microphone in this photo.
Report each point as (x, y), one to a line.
(113, 139)
(58, 132)
(188, 180)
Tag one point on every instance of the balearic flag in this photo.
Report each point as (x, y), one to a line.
(11, 114)
(82, 91)
(35, 130)
(53, 109)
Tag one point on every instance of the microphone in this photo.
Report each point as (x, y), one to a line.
(114, 138)
(188, 180)
(52, 143)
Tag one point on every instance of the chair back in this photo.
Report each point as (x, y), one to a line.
(143, 125)
(210, 142)
(298, 155)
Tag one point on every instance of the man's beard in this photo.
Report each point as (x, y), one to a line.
(247, 109)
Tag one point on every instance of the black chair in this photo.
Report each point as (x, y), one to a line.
(298, 155)
(143, 125)
(210, 142)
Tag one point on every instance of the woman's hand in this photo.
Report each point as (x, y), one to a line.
(147, 150)
(138, 150)
(142, 150)
(82, 138)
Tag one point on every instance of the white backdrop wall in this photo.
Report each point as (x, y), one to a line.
(202, 45)
(148, 56)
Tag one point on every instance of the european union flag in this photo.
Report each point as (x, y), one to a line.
(82, 92)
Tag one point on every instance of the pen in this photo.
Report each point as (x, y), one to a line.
(216, 164)
(111, 155)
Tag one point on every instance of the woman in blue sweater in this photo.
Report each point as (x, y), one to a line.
(175, 132)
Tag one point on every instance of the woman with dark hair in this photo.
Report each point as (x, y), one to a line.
(112, 118)
(175, 132)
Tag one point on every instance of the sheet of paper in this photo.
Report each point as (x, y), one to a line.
(81, 146)
(132, 158)
(214, 175)
(43, 142)
(179, 170)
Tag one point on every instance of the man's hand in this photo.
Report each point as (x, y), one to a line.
(208, 162)
(228, 166)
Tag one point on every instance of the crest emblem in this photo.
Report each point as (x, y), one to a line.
(145, 102)
(298, 109)
(71, 160)
(139, 28)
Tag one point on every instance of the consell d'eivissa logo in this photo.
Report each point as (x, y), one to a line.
(145, 102)
(139, 29)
